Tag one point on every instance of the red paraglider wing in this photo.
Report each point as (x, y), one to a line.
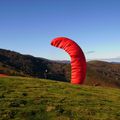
(78, 61)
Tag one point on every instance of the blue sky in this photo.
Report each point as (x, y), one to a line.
(28, 26)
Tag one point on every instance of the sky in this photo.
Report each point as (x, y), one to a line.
(28, 26)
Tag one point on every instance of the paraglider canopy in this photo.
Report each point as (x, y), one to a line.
(78, 61)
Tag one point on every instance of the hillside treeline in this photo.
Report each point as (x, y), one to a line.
(99, 73)
(13, 63)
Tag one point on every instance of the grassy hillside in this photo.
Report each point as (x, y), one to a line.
(38, 99)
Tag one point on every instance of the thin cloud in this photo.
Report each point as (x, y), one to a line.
(90, 52)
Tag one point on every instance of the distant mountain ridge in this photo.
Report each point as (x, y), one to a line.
(99, 73)
(112, 60)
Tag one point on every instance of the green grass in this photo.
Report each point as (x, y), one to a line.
(38, 99)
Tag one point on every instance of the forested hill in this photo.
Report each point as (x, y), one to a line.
(99, 73)
(13, 63)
